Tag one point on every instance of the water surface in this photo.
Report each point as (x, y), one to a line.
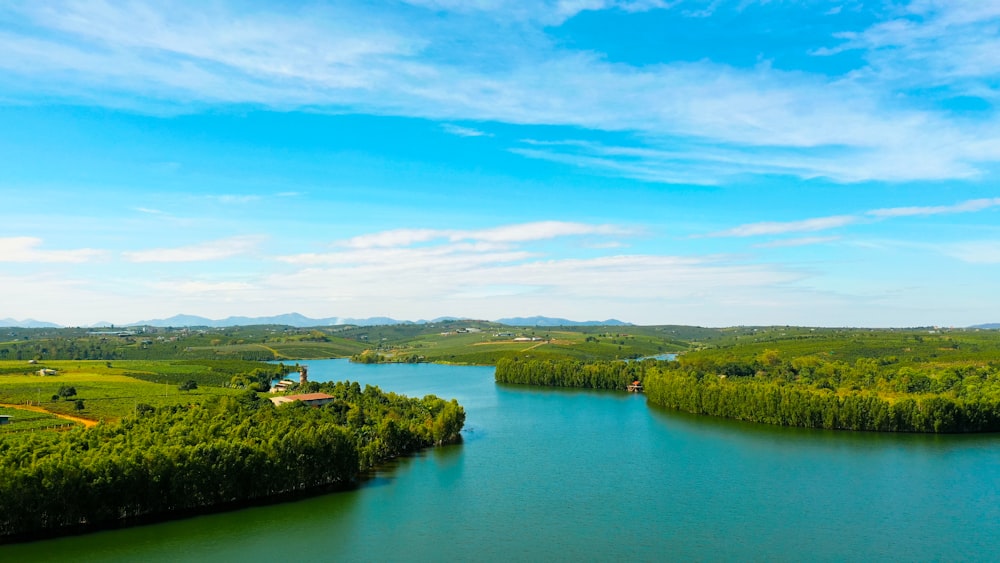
(551, 474)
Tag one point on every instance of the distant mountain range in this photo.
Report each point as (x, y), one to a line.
(302, 321)
(27, 323)
(988, 325)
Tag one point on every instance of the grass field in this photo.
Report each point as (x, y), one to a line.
(927, 346)
(107, 394)
(487, 347)
(26, 420)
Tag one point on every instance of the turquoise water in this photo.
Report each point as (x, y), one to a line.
(575, 475)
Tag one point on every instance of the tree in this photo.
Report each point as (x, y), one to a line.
(65, 391)
(188, 385)
(79, 405)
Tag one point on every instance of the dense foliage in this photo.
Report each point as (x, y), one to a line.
(776, 402)
(877, 394)
(567, 373)
(171, 460)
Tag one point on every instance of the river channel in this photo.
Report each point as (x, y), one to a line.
(547, 474)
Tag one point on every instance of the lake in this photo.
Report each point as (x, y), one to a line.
(552, 474)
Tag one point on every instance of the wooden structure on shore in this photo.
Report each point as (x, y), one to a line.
(634, 387)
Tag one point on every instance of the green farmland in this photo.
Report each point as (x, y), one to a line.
(107, 393)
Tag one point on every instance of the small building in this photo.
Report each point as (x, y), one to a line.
(5, 419)
(282, 385)
(311, 399)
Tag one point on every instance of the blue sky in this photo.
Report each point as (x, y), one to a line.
(822, 163)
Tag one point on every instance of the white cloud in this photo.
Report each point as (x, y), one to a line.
(463, 131)
(949, 44)
(523, 232)
(850, 129)
(969, 206)
(974, 252)
(546, 12)
(780, 228)
(803, 241)
(541, 230)
(195, 287)
(234, 199)
(489, 273)
(824, 223)
(212, 250)
(26, 249)
(395, 237)
(449, 283)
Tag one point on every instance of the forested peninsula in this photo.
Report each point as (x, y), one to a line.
(176, 460)
(883, 393)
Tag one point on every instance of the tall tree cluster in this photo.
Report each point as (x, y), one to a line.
(874, 394)
(172, 460)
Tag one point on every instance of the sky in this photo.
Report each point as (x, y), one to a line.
(712, 163)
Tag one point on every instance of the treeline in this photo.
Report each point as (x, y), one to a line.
(873, 394)
(129, 348)
(775, 402)
(218, 373)
(369, 357)
(175, 460)
(568, 373)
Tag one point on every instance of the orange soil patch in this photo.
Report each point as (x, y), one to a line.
(84, 421)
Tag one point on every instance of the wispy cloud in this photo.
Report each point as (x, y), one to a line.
(27, 249)
(832, 222)
(195, 287)
(969, 206)
(950, 45)
(463, 131)
(234, 199)
(523, 232)
(212, 250)
(974, 252)
(781, 228)
(847, 128)
(803, 241)
(546, 12)
(447, 276)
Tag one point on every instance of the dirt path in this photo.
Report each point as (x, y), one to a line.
(84, 421)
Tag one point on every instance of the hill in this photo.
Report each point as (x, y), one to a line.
(27, 323)
(550, 321)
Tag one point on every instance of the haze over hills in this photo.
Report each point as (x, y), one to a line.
(298, 320)
(301, 321)
(549, 321)
(27, 323)
(289, 319)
